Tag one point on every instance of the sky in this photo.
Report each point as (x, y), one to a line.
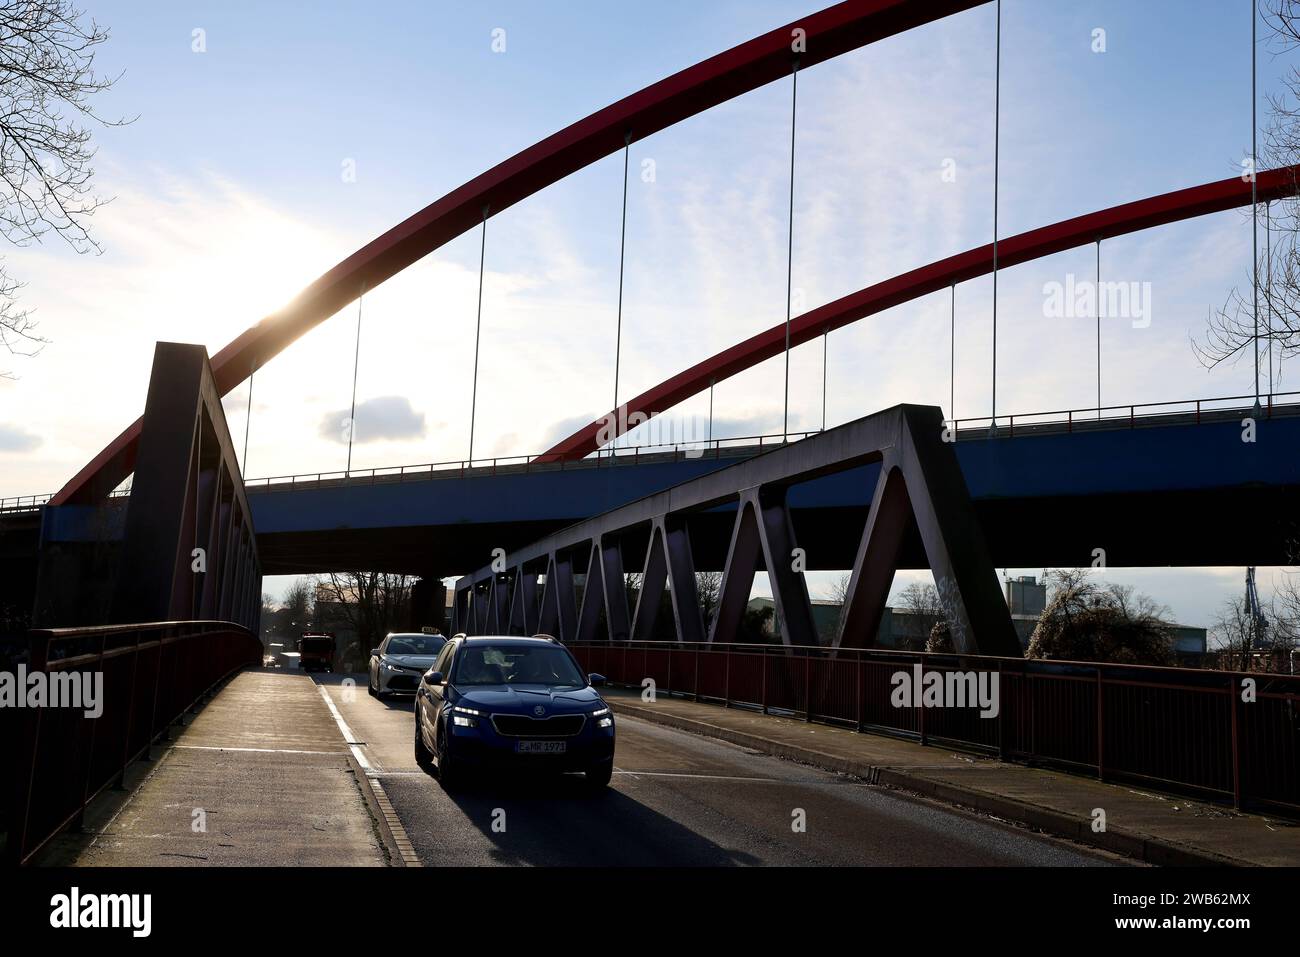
(271, 140)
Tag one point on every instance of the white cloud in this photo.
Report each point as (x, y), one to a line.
(14, 438)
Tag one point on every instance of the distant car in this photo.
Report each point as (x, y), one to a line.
(400, 659)
(515, 704)
(316, 651)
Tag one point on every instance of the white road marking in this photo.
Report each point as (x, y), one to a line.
(353, 744)
(203, 747)
(405, 849)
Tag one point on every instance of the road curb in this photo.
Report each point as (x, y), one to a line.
(1141, 847)
(397, 844)
(401, 852)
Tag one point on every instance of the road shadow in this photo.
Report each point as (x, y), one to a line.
(552, 820)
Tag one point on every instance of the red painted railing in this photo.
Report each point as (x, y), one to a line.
(1180, 729)
(59, 759)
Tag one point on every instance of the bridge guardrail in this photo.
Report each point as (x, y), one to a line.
(1180, 729)
(1132, 415)
(32, 503)
(526, 464)
(60, 758)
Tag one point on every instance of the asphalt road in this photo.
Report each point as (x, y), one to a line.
(676, 799)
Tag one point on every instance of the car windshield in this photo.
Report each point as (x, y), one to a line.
(517, 664)
(415, 644)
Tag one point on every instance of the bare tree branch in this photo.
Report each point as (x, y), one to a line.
(48, 85)
(1234, 330)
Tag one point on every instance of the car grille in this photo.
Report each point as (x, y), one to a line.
(522, 726)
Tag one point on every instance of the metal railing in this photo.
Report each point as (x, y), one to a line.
(528, 464)
(1062, 420)
(1132, 415)
(24, 503)
(60, 758)
(1179, 729)
(32, 503)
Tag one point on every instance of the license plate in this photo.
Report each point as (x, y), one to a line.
(540, 747)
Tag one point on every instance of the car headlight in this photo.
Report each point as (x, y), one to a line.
(387, 667)
(603, 718)
(599, 711)
(465, 717)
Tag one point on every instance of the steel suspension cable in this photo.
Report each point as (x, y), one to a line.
(952, 357)
(997, 130)
(622, 250)
(1268, 288)
(356, 362)
(825, 336)
(789, 253)
(248, 418)
(1097, 308)
(1254, 186)
(478, 325)
(710, 410)
(196, 594)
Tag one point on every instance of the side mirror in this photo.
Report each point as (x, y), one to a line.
(374, 652)
(433, 677)
(596, 680)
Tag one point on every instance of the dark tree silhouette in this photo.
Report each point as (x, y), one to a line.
(48, 84)
(1085, 621)
(1273, 330)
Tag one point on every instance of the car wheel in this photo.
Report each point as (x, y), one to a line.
(423, 757)
(598, 775)
(449, 773)
(370, 688)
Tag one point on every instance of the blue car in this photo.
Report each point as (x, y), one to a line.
(511, 703)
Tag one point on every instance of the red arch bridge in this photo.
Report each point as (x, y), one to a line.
(576, 518)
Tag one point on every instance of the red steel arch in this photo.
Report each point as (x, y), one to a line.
(1013, 250)
(825, 35)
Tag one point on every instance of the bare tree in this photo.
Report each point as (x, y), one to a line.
(1272, 331)
(1087, 621)
(1233, 632)
(48, 84)
(839, 594)
(708, 586)
(298, 602)
(632, 582)
(923, 611)
(1286, 603)
(370, 603)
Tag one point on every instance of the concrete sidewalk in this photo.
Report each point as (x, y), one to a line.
(260, 777)
(1148, 826)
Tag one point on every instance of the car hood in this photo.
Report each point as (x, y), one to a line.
(522, 699)
(424, 662)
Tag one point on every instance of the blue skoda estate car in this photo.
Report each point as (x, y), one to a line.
(511, 703)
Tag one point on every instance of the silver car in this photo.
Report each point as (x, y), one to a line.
(399, 661)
